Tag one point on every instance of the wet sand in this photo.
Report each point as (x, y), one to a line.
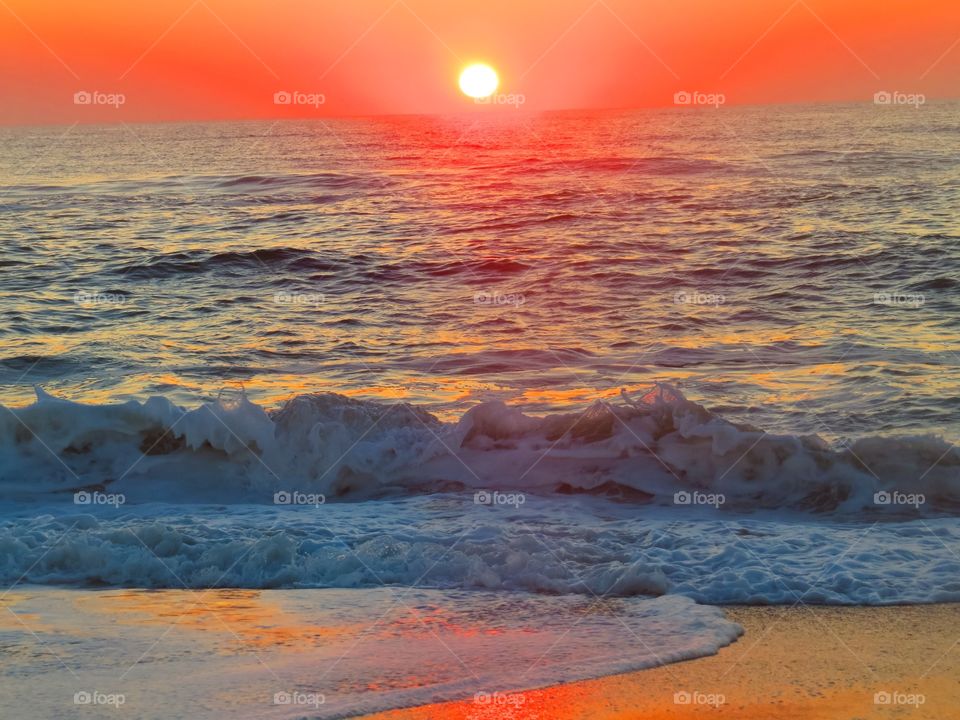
(801, 663)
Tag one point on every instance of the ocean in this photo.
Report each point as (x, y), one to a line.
(619, 366)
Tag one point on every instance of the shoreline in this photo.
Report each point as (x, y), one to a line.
(792, 663)
(345, 652)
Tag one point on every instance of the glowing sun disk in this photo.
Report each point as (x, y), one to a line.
(479, 80)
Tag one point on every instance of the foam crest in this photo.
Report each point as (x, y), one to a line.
(647, 449)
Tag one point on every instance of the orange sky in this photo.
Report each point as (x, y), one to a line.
(204, 59)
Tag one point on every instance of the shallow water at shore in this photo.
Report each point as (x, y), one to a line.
(322, 653)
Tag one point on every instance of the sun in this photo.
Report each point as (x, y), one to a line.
(479, 80)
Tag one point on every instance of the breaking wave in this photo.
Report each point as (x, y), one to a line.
(659, 448)
(648, 496)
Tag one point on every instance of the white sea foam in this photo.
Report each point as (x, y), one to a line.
(639, 450)
(585, 546)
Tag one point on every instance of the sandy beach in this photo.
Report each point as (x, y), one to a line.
(803, 663)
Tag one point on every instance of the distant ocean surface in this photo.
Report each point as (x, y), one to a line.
(745, 254)
(703, 354)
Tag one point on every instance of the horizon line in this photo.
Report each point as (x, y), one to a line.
(461, 113)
